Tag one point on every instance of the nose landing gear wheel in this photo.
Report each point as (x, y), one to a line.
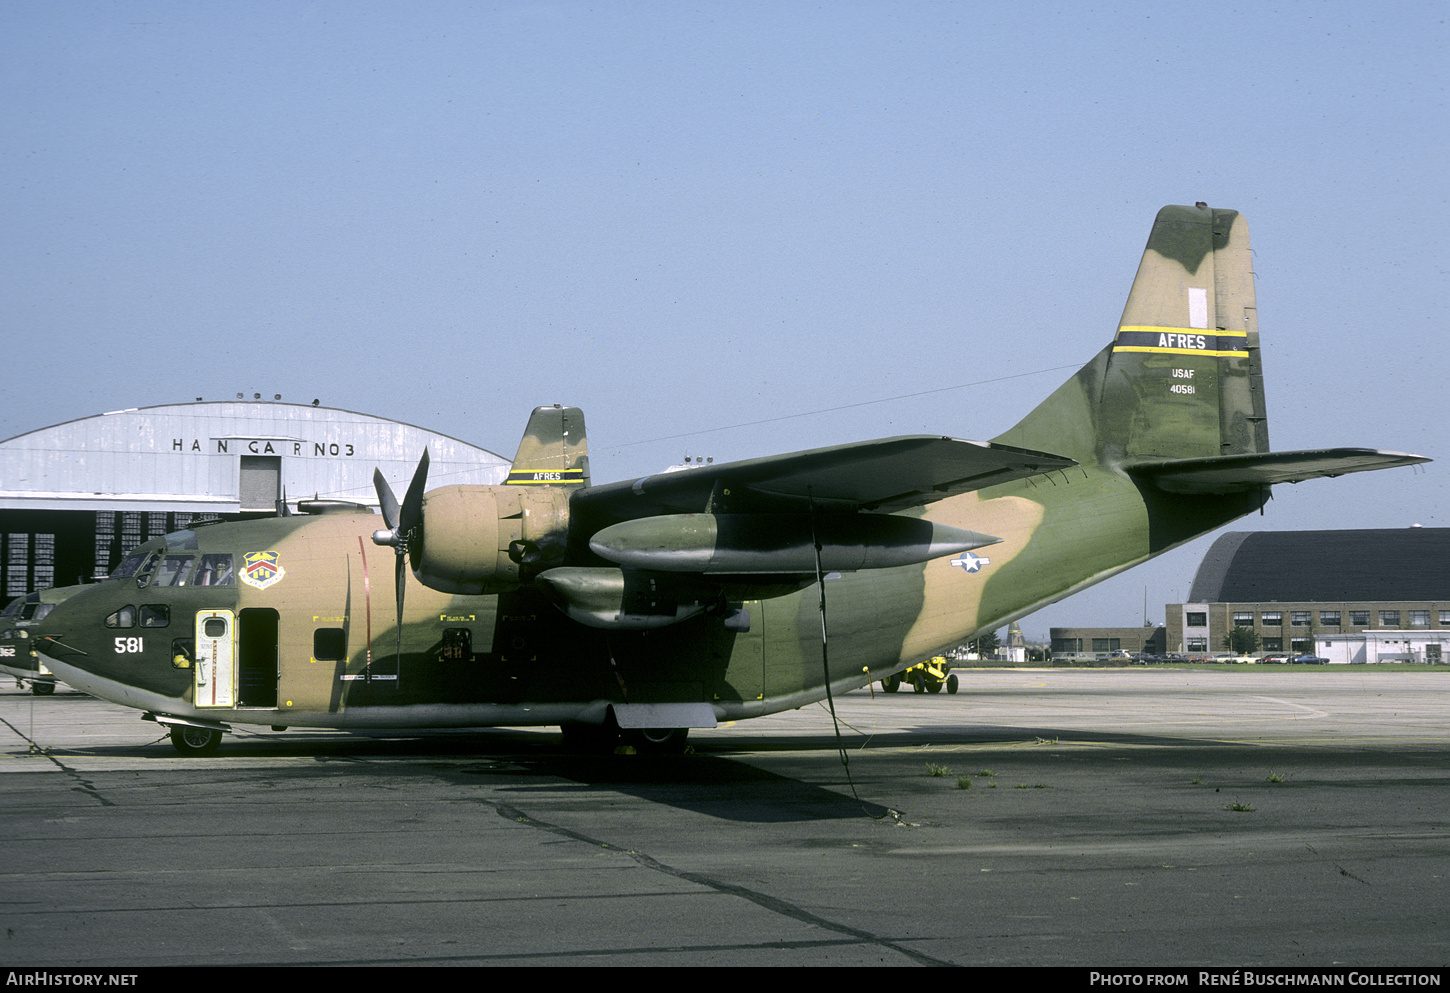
(194, 741)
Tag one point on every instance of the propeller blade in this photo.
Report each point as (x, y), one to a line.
(386, 501)
(412, 513)
(403, 527)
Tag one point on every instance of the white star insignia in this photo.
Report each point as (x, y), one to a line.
(970, 562)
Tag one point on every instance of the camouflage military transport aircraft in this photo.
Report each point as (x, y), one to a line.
(18, 657)
(645, 608)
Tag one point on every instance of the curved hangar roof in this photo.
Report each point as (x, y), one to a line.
(225, 457)
(1325, 566)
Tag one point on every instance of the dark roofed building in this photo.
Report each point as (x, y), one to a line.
(1399, 564)
(1294, 586)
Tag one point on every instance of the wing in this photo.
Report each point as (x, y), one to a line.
(873, 476)
(1233, 473)
(763, 527)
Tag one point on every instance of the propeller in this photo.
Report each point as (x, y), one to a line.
(405, 526)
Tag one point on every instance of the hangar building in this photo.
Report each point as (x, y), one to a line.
(76, 497)
(1299, 588)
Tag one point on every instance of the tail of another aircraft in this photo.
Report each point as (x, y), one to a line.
(554, 449)
(1182, 378)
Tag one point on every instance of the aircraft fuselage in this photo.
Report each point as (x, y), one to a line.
(304, 632)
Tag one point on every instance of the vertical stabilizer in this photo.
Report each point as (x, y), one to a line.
(554, 449)
(1182, 378)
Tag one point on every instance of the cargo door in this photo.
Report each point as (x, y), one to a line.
(257, 657)
(215, 668)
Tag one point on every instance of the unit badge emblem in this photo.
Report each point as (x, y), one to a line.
(261, 569)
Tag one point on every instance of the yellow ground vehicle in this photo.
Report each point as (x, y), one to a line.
(924, 677)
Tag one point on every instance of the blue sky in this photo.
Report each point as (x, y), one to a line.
(724, 229)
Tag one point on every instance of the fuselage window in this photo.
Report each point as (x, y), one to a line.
(123, 618)
(329, 644)
(183, 650)
(174, 570)
(155, 615)
(214, 627)
(215, 570)
(457, 645)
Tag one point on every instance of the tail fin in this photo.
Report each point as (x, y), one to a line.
(1182, 378)
(554, 449)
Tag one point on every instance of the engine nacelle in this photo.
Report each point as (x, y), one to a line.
(488, 539)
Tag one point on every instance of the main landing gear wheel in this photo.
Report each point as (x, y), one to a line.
(194, 741)
(657, 741)
(42, 689)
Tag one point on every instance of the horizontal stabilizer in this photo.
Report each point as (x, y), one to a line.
(888, 475)
(1236, 473)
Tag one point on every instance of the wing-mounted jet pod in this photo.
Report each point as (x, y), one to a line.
(684, 598)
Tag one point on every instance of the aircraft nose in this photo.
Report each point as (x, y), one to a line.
(50, 636)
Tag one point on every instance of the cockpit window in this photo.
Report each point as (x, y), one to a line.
(129, 565)
(13, 607)
(173, 571)
(36, 611)
(181, 541)
(146, 569)
(215, 570)
(123, 618)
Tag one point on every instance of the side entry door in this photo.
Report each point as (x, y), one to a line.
(216, 659)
